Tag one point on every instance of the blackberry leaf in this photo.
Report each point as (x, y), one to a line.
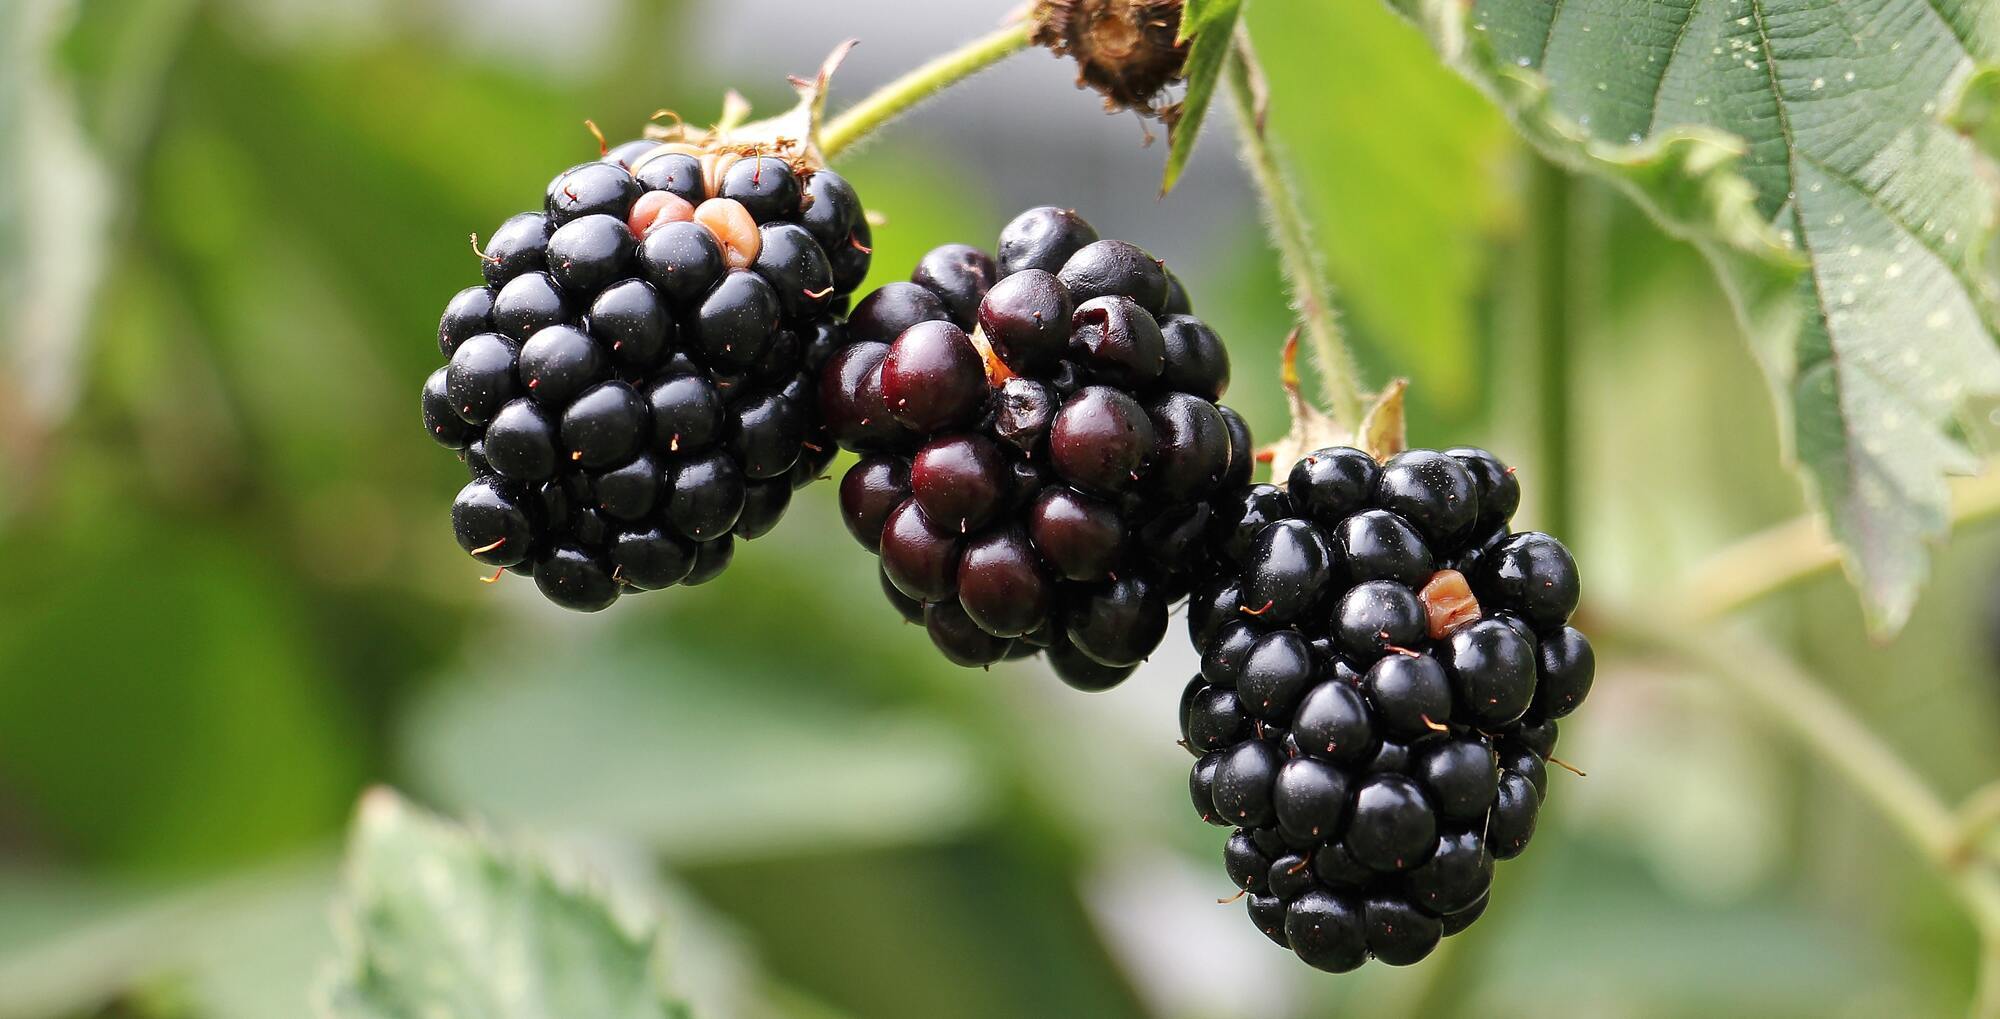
(439, 921)
(1802, 149)
(1209, 27)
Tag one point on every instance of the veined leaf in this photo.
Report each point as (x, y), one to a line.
(1801, 145)
(1208, 27)
(442, 923)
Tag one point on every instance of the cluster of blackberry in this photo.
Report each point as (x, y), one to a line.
(633, 387)
(1382, 667)
(1040, 444)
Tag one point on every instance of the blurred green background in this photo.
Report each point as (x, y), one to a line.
(229, 599)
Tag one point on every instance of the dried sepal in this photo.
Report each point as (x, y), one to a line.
(1380, 433)
(792, 135)
(1127, 50)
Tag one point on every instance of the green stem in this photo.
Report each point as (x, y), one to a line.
(1286, 223)
(1799, 705)
(1552, 226)
(899, 96)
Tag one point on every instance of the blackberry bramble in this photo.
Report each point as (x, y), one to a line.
(1039, 445)
(1382, 667)
(633, 385)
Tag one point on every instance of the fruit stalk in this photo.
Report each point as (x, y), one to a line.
(901, 95)
(1285, 221)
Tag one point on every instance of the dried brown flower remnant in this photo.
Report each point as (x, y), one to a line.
(1448, 603)
(1125, 49)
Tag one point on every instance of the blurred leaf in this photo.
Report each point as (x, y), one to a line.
(1976, 113)
(1398, 164)
(443, 923)
(1779, 142)
(643, 743)
(1211, 24)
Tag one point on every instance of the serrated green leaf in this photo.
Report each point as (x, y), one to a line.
(1799, 144)
(440, 922)
(1211, 26)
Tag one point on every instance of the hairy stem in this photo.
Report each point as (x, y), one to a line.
(899, 96)
(1551, 258)
(1286, 223)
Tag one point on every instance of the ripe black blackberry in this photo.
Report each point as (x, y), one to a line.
(634, 386)
(1039, 444)
(1382, 669)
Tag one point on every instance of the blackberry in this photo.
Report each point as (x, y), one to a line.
(1382, 668)
(1042, 484)
(634, 386)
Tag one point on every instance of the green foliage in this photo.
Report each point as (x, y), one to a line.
(1210, 28)
(1801, 147)
(443, 923)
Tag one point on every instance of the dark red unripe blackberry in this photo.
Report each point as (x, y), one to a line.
(711, 558)
(960, 275)
(517, 246)
(1001, 583)
(1288, 566)
(587, 254)
(1565, 666)
(920, 557)
(933, 377)
(1245, 779)
(629, 492)
(1410, 693)
(1461, 774)
(1101, 440)
(1532, 574)
(469, 313)
(705, 495)
(591, 189)
(1432, 491)
(441, 419)
(603, 427)
(632, 324)
(1022, 412)
(1275, 675)
(1399, 933)
(765, 185)
(1081, 672)
(1081, 537)
(1115, 269)
(528, 304)
(1027, 318)
(493, 523)
(874, 486)
(851, 401)
(1117, 343)
(1196, 361)
(1375, 617)
(1333, 723)
(1191, 451)
(1118, 622)
(1043, 238)
(959, 480)
(1492, 673)
(575, 578)
(1512, 821)
(961, 640)
(682, 261)
(676, 173)
(521, 442)
(1327, 931)
(890, 310)
(1310, 799)
(1393, 827)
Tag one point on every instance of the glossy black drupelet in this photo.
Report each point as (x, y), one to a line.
(635, 384)
(1382, 668)
(1040, 445)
